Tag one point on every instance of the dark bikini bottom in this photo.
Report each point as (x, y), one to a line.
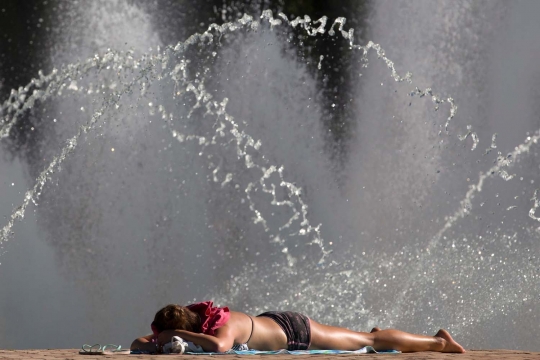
(296, 327)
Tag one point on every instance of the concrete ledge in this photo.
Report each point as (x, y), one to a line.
(68, 354)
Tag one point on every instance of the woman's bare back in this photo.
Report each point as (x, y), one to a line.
(263, 333)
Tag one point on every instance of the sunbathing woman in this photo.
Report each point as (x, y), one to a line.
(218, 330)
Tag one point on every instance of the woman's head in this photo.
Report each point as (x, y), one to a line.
(176, 317)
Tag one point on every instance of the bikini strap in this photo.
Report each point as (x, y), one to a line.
(252, 325)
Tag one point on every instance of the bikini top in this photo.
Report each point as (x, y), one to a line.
(212, 318)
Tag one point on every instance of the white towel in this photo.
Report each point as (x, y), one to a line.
(179, 346)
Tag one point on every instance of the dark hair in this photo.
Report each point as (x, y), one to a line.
(176, 317)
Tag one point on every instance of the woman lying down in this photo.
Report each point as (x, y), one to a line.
(219, 330)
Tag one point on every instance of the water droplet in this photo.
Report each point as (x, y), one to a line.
(320, 62)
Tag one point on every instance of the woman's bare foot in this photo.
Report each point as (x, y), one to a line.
(375, 329)
(450, 346)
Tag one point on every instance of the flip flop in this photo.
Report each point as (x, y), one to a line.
(97, 349)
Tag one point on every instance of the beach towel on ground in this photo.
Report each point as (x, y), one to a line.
(364, 350)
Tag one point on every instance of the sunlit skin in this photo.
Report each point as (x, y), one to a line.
(268, 335)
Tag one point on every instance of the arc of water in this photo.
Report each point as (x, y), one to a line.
(293, 190)
(46, 86)
(57, 81)
(466, 207)
(242, 138)
(33, 194)
(202, 97)
(10, 105)
(349, 35)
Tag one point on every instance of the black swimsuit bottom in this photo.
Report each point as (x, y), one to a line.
(296, 327)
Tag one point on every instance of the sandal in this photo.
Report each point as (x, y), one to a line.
(97, 349)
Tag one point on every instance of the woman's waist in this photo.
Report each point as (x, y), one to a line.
(267, 335)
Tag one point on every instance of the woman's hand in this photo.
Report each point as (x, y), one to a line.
(146, 343)
(165, 337)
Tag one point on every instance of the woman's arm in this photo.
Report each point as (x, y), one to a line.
(144, 344)
(222, 342)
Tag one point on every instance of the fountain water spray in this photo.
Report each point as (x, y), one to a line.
(56, 81)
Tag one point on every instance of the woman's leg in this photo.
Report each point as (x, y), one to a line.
(336, 338)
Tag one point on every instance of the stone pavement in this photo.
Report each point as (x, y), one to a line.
(73, 354)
